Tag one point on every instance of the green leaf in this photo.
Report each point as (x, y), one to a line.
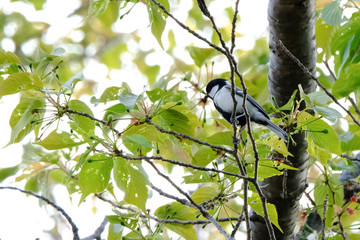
(112, 93)
(59, 140)
(132, 180)
(345, 45)
(137, 139)
(155, 94)
(320, 192)
(321, 133)
(197, 177)
(319, 98)
(38, 4)
(277, 144)
(98, 7)
(117, 108)
(94, 175)
(32, 184)
(129, 100)
(115, 231)
(157, 20)
(203, 156)
(201, 55)
(59, 176)
(256, 205)
(25, 116)
(350, 142)
(205, 193)
(179, 119)
(290, 104)
(329, 113)
(178, 211)
(8, 172)
(324, 35)
(348, 81)
(33, 153)
(8, 58)
(111, 57)
(333, 13)
(18, 82)
(221, 138)
(266, 170)
(70, 84)
(337, 187)
(86, 124)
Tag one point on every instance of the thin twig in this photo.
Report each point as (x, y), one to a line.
(335, 79)
(58, 208)
(266, 213)
(301, 65)
(97, 234)
(350, 158)
(99, 196)
(186, 27)
(324, 217)
(234, 69)
(240, 219)
(310, 199)
(160, 220)
(184, 136)
(214, 199)
(167, 195)
(106, 123)
(330, 71)
(234, 26)
(201, 209)
(354, 105)
(187, 165)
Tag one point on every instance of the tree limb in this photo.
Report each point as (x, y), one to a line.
(58, 208)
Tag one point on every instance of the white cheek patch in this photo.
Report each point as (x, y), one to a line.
(213, 91)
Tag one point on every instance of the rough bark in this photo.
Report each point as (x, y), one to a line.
(292, 22)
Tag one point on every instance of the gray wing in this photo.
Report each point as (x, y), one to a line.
(249, 99)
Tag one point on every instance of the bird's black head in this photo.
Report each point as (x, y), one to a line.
(219, 82)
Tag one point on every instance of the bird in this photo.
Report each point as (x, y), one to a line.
(220, 92)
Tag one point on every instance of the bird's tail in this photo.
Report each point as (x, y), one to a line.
(277, 130)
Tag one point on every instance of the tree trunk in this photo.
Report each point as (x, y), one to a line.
(292, 22)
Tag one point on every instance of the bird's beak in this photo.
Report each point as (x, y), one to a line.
(204, 100)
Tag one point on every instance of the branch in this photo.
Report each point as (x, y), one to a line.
(214, 199)
(186, 27)
(239, 220)
(324, 217)
(350, 158)
(187, 165)
(181, 136)
(233, 66)
(114, 204)
(97, 234)
(201, 209)
(106, 123)
(58, 208)
(182, 201)
(300, 65)
(335, 79)
(159, 220)
(266, 213)
(354, 105)
(234, 26)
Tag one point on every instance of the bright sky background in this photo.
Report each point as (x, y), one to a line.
(21, 216)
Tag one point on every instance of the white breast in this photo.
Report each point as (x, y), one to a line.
(223, 99)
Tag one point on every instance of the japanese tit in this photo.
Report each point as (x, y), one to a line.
(220, 92)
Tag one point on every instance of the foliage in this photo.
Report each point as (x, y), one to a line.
(166, 129)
